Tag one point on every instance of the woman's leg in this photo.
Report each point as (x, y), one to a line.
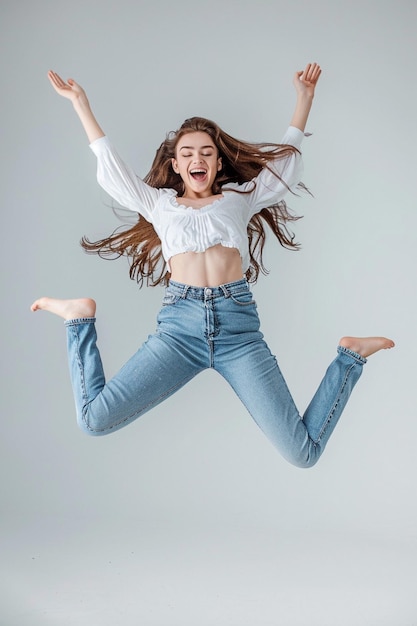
(245, 361)
(258, 381)
(150, 376)
(158, 369)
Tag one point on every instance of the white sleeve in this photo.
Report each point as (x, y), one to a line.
(269, 189)
(121, 182)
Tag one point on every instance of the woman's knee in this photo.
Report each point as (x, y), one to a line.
(306, 463)
(304, 459)
(89, 427)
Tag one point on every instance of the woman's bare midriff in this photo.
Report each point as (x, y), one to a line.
(216, 266)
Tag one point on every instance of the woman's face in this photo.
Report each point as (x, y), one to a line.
(197, 162)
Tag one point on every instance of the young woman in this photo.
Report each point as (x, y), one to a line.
(202, 210)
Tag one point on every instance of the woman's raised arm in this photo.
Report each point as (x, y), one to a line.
(305, 84)
(74, 92)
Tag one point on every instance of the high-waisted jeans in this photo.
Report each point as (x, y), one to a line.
(200, 328)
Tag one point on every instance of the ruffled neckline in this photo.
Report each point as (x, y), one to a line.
(207, 207)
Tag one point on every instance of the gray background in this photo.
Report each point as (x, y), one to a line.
(189, 515)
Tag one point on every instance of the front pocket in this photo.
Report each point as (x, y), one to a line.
(245, 298)
(170, 298)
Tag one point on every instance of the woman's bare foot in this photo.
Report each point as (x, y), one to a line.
(68, 309)
(365, 346)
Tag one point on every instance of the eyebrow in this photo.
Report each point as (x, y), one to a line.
(193, 147)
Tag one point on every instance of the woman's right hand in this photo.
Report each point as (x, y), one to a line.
(70, 89)
(76, 94)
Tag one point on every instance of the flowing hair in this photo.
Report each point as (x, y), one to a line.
(241, 162)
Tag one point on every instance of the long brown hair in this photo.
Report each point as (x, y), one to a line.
(241, 162)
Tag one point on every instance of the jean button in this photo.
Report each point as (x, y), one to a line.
(208, 292)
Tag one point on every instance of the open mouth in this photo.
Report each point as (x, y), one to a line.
(198, 174)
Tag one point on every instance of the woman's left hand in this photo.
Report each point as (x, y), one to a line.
(305, 81)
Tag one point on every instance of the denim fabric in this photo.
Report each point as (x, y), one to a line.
(200, 328)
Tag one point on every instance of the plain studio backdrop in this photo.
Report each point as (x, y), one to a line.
(189, 516)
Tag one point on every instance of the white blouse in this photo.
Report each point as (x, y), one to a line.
(185, 229)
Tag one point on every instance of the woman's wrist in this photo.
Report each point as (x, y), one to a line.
(81, 104)
(302, 110)
(89, 122)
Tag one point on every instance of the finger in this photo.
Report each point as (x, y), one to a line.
(317, 70)
(51, 76)
(310, 71)
(56, 80)
(316, 74)
(305, 72)
(53, 80)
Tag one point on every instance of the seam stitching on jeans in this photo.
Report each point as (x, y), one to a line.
(335, 405)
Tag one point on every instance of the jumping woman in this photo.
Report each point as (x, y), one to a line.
(202, 210)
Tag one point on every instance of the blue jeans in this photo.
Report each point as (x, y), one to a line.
(200, 328)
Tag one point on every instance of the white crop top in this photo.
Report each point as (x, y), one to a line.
(185, 229)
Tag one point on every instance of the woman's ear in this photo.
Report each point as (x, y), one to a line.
(219, 164)
(175, 165)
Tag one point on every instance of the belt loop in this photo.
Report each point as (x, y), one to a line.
(184, 291)
(225, 291)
